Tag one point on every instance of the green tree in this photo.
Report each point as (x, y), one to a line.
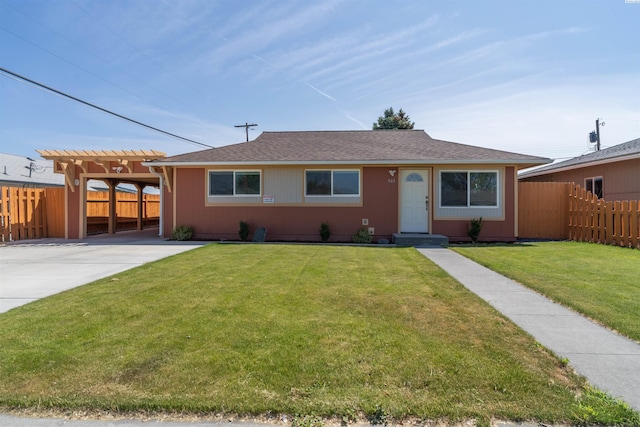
(391, 120)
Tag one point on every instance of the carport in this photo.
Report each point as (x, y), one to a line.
(113, 167)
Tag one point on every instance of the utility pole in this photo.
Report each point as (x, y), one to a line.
(595, 136)
(598, 133)
(246, 127)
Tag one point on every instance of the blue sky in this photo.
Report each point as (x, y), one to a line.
(524, 76)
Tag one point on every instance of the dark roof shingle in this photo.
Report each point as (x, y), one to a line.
(625, 149)
(378, 146)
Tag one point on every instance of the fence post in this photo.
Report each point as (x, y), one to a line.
(4, 214)
(590, 219)
(572, 211)
(601, 221)
(625, 232)
(583, 215)
(634, 212)
(617, 223)
(608, 211)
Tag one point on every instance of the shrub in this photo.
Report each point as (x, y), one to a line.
(362, 236)
(325, 233)
(378, 416)
(473, 230)
(183, 232)
(244, 230)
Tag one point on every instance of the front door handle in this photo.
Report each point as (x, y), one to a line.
(426, 201)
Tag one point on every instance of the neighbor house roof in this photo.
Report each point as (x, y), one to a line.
(21, 171)
(625, 151)
(348, 147)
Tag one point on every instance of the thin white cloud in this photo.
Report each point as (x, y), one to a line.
(378, 48)
(326, 95)
(266, 32)
(465, 35)
(503, 47)
(274, 67)
(551, 121)
(353, 119)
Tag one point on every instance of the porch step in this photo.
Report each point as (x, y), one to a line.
(419, 239)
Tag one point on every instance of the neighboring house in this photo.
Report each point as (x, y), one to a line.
(612, 173)
(388, 181)
(20, 171)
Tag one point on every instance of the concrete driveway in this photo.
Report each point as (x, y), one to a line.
(34, 269)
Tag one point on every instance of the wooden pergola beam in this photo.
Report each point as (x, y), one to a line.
(69, 171)
(102, 155)
(167, 171)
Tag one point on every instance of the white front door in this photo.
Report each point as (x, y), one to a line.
(414, 201)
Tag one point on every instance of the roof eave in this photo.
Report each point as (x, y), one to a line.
(519, 162)
(535, 173)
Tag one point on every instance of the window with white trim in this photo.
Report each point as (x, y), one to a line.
(234, 183)
(594, 185)
(339, 182)
(468, 189)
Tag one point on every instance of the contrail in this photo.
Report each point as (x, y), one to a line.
(326, 95)
(319, 91)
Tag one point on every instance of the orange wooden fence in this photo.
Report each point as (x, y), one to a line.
(126, 211)
(127, 204)
(34, 213)
(23, 213)
(564, 210)
(543, 210)
(54, 212)
(598, 221)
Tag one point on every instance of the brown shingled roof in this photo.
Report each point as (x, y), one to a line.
(380, 146)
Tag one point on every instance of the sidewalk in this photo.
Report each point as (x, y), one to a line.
(34, 269)
(609, 361)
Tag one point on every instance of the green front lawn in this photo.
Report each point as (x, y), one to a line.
(602, 282)
(308, 331)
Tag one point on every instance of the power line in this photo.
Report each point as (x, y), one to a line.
(104, 110)
(142, 53)
(92, 73)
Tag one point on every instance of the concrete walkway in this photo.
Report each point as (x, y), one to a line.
(609, 361)
(34, 269)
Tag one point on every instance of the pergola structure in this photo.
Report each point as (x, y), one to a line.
(112, 167)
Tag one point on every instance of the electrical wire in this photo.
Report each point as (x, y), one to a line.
(141, 82)
(89, 72)
(149, 57)
(86, 51)
(104, 110)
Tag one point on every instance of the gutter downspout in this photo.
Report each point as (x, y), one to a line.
(160, 221)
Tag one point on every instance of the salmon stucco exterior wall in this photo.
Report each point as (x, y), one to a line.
(291, 182)
(186, 205)
(620, 180)
(296, 222)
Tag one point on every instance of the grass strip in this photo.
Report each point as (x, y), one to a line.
(599, 281)
(286, 329)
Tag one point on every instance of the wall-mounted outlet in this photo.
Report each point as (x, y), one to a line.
(372, 231)
(365, 221)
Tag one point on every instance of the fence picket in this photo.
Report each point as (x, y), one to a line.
(544, 211)
(634, 229)
(32, 213)
(5, 222)
(585, 217)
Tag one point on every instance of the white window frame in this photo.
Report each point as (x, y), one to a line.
(234, 172)
(331, 171)
(469, 205)
(593, 185)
